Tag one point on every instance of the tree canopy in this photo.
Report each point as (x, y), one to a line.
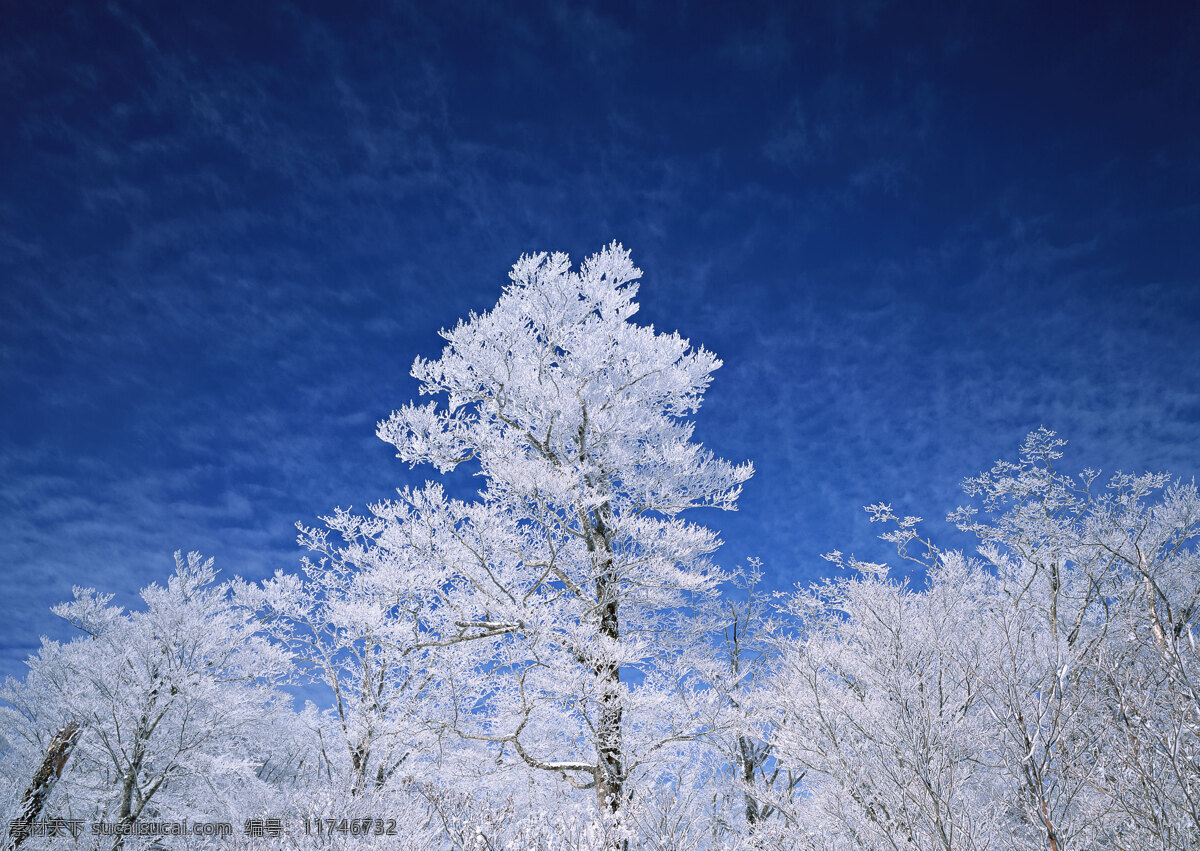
(559, 661)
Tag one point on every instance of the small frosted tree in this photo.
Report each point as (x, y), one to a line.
(348, 623)
(169, 702)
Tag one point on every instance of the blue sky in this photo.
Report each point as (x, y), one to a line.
(913, 234)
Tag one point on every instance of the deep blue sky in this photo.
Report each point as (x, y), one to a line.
(914, 233)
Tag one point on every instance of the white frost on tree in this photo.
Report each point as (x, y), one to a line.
(563, 590)
(171, 701)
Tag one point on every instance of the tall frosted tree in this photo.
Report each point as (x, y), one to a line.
(560, 596)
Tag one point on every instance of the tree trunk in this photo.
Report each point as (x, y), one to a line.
(610, 773)
(610, 780)
(749, 763)
(43, 781)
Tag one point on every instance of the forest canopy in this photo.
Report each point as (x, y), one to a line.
(561, 660)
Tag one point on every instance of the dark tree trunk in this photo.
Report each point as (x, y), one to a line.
(610, 768)
(43, 781)
(749, 761)
(610, 782)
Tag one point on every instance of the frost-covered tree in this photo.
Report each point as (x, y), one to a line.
(874, 700)
(1107, 575)
(348, 622)
(1040, 695)
(742, 622)
(558, 599)
(170, 701)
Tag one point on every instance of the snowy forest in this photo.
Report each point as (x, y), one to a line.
(568, 660)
